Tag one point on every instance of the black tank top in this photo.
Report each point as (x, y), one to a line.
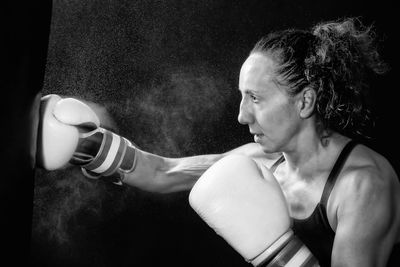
(315, 231)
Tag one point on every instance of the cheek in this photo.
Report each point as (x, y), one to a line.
(277, 118)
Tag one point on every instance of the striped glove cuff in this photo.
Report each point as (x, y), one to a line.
(287, 251)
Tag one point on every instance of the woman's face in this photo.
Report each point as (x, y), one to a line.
(271, 114)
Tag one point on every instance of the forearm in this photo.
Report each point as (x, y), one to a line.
(166, 175)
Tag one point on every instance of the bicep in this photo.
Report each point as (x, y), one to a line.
(254, 151)
(364, 233)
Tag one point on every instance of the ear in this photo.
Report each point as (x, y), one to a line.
(307, 100)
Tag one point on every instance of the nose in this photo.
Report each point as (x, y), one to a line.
(245, 115)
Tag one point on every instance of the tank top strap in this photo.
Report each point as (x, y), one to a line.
(276, 163)
(330, 183)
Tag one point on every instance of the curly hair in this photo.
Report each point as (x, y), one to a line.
(335, 59)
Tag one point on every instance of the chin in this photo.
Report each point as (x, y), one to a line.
(268, 148)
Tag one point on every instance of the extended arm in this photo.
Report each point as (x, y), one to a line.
(71, 132)
(162, 174)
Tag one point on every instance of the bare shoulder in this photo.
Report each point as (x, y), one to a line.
(365, 167)
(254, 151)
(367, 182)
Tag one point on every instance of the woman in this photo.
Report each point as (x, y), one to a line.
(302, 96)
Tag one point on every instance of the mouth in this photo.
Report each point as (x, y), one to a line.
(257, 137)
(256, 134)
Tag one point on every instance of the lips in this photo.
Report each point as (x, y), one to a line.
(256, 134)
(257, 137)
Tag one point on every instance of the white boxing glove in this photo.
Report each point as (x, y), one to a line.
(57, 141)
(70, 132)
(247, 208)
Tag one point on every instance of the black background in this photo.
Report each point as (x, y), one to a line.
(165, 74)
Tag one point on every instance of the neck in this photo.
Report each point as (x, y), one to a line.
(308, 155)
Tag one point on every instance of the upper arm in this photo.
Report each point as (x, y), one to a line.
(254, 151)
(366, 217)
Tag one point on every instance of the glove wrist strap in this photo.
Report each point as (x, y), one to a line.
(116, 155)
(288, 250)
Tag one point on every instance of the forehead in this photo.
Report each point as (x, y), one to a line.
(256, 71)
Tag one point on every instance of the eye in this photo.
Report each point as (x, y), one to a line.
(253, 98)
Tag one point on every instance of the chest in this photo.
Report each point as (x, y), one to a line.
(302, 196)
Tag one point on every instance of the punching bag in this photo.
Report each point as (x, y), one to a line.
(25, 28)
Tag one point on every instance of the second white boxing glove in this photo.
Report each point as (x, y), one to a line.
(246, 207)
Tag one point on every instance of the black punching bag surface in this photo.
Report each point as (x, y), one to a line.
(25, 29)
